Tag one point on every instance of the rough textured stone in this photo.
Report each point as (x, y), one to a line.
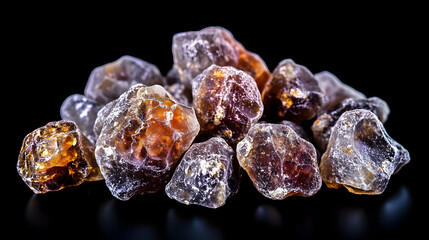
(297, 128)
(195, 51)
(106, 83)
(56, 156)
(326, 120)
(180, 93)
(361, 156)
(279, 162)
(335, 90)
(227, 103)
(206, 175)
(83, 112)
(142, 135)
(292, 93)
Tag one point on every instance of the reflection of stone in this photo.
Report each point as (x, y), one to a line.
(196, 227)
(268, 215)
(116, 223)
(35, 215)
(395, 210)
(352, 223)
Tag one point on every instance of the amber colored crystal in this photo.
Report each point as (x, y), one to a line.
(56, 156)
(142, 135)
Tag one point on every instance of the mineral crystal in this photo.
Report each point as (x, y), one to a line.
(297, 128)
(279, 162)
(361, 156)
(180, 93)
(83, 112)
(227, 103)
(56, 156)
(206, 175)
(195, 51)
(326, 120)
(334, 90)
(142, 135)
(292, 93)
(108, 82)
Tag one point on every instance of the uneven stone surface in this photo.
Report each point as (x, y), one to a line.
(279, 162)
(326, 120)
(83, 112)
(195, 51)
(361, 156)
(142, 135)
(292, 93)
(227, 103)
(297, 128)
(106, 83)
(206, 175)
(56, 156)
(180, 93)
(335, 90)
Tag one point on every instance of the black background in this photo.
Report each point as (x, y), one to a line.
(374, 49)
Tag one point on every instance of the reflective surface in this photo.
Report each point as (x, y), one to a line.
(91, 211)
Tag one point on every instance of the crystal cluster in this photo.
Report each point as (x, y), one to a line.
(206, 175)
(217, 111)
(56, 156)
(142, 135)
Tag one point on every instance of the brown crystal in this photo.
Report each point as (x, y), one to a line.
(292, 93)
(227, 103)
(279, 162)
(56, 156)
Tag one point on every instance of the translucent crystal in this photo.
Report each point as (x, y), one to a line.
(179, 91)
(297, 128)
(142, 135)
(83, 112)
(195, 51)
(326, 120)
(335, 90)
(292, 93)
(227, 103)
(56, 156)
(106, 83)
(279, 162)
(206, 175)
(361, 156)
